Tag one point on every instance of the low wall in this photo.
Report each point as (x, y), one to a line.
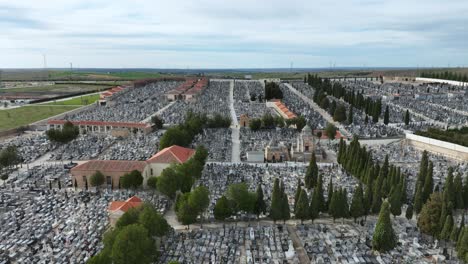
(441, 81)
(438, 146)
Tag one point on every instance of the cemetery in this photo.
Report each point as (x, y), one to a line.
(296, 140)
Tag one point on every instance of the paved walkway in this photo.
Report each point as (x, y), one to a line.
(298, 246)
(235, 157)
(318, 109)
(159, 112)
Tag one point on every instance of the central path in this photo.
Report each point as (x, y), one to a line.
(235, 157)
(319, 110)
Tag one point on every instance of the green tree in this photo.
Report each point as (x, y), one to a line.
(462, 246)
(428, 221)
(357, 204)
(447, 229)
(340, 113)
(97, 179)
(275, 208)
(458, 188)
(330, 130)
(152, 182)
(409, 212)
(384, 238)
(175, 136)
(201, 154)
(168, 182)
(407, 117)
(132, 245)
(395, 202)
(153, 221)
(329, 193)
(386, 116)
(128, 218)
(157, 122)
(311, 173)
(199, 199)
(222, 209)
(428, 183)
(240, 198)
(186, 214)
(255, 124)
(350, 115)
(302, 209)
(260, 206)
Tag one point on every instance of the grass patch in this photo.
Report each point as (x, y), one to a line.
(69, 88)
(25, 115)
(82, 100)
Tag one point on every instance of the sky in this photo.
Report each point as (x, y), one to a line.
(233, 34)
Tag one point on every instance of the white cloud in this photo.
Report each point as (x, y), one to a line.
(233, 34)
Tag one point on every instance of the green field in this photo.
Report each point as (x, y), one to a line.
(82, 100)
(68, 88)
(25, 115)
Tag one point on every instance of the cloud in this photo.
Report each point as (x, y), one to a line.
(233, 34)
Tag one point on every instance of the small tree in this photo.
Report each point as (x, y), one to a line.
(330, 130)
(407, 117)
(97, 179)
(409, 212)
(222, 209)
(260, 205)
(384, 238)
(302, 209)
(357, 204)
(157, 122)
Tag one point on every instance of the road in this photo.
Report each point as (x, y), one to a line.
(322, 112)
(235, 157)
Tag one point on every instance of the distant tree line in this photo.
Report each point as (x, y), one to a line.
(456, 136)
(324, 87)
(184, 133)
(446, 75)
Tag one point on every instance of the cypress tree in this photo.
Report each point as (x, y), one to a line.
(275, 208)
(302, 207)
(357, 204)
(298, 193)
(334, 204)
(458, 186)
(285, 211)
(395, 202)
(376, 199)
(329, 192)
(462, 245)
(384, 238)
(409, 212)
(428, 221)
(350, 115)
(465, 193)
(449, 189)
(386, 116)
(319, 190)
(311, 173)
(344, 208)
(418, 200)
(428, 183)
(314, 207)
(447, 229)
(407, 117)
(260, 205)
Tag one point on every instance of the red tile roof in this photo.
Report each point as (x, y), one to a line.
(284, 109)
(124, 206)
(173, 154)
(111, 166)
